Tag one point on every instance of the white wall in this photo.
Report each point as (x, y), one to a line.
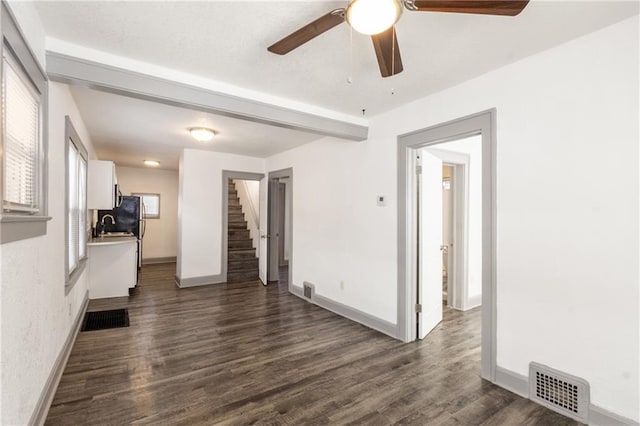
(249, 194)
(567, 121)
(36, 315)
(161, 235)
(200, 211)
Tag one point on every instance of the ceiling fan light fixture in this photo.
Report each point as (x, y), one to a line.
(372, 17)
(202, 134)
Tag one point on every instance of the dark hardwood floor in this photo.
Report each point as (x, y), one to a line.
(243, 353)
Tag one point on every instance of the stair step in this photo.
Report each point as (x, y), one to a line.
(235, 209)
(234, 202)
(241, 253)
(239, 265)
(238, 225)
(233, 192)
(239, 244)
(239, 234)
(242, 276)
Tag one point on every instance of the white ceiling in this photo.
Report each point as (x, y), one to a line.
(226, 41)
(128, 130)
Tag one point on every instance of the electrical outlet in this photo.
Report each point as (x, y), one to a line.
(381, 200)
(341, 285)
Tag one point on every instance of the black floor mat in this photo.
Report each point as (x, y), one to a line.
(102, 320)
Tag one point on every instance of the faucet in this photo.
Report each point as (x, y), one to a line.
(113, 222)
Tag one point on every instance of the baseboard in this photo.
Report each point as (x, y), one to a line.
(519, 384)
(198, 281)
(514, 382)
(601, 417)
(348, 312)
(46, 397)
(155, 260)
(473, 302)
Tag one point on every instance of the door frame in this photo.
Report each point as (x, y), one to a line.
(484, 124)
(272, 220)
(457, 293)
(226, 175)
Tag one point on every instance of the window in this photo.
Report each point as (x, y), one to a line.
(76, 196)
(23, 146)
(150, 205)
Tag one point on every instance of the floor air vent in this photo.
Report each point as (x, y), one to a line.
(308, 289)
(102, 320)
(558, 391)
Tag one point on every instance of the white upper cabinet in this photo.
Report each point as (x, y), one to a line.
(101, 188)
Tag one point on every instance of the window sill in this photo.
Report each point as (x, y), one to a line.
(73, 278)
(19, 227)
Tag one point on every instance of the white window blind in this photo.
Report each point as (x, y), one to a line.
(77, 208)
(21, 106)
(73, 207)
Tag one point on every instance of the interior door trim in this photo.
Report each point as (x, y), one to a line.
(484, 124)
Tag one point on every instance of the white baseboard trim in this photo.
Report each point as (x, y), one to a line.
(519, 384)
(514, 382)
(601, 417)
(198, 281)
(46, 397)
(348, 312)
(155, 260)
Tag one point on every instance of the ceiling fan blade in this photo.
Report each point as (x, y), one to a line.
(482, 7)
(308, 32)
(388, 52)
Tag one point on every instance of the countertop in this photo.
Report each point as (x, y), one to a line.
(109, 241)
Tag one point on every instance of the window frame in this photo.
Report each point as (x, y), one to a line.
(71, 137)
(147, 215)
(14, 225)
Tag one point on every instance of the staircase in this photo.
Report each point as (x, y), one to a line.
(242, 263)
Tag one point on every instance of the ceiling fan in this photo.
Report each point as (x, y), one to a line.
(377, 18)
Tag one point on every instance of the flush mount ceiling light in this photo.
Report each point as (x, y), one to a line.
(373, 16)
(151, 163)
(202, 134)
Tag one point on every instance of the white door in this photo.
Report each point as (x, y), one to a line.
(429, 241)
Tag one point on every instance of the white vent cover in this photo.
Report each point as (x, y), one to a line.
(309, 289)
(558, 391)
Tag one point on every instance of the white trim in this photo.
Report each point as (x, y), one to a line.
(601, 417)
(348, 312)
(49, 391)
(597, 416)
(514, 382)
(198, 281)
(158, 260)
(459, 275)
(73, 70)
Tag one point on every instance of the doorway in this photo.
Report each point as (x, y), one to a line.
(448, 200)
(241, 218)
(279, 227)
(414, 238)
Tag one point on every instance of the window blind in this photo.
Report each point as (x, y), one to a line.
(82, 207)
(74, 207)
(21, 106)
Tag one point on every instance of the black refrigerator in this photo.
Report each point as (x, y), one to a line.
(129, 217)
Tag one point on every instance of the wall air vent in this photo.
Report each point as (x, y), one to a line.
(309, 289)
(558, 391)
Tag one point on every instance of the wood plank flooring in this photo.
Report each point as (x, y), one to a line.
(243, 353)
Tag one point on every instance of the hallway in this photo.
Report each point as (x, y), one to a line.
(243, 353)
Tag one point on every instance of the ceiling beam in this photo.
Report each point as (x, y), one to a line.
(77, 71)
